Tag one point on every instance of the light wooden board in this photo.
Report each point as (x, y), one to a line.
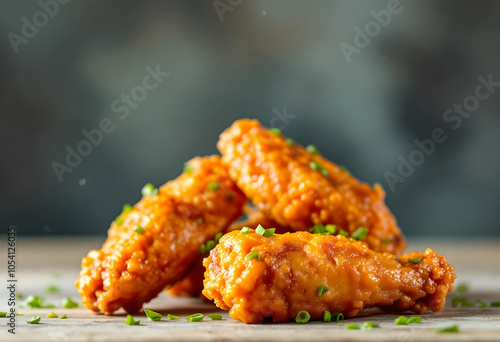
(43, 262)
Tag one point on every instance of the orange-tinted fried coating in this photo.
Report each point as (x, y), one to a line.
(279, 180)
(192, 284)
(132, 268)
(293, 266)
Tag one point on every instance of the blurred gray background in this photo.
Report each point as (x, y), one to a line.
(257, 59)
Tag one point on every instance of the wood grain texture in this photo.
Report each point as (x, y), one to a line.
(44, 261)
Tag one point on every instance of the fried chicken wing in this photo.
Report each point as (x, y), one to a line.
(299, 188)
(285, 277)
(132, 266)
(192, 284)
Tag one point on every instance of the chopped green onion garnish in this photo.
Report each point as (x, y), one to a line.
(63, 316)
(215, 317)
(264, 232)
(51, 289)
(260, 230)
(69, 304)
(33, 320)
(18, 314)
(450, 329)
(131, 321)
(253, 255)
(19, 296)
(415, 320)
(139, 230)
(289, 142)
(369, 325)
(127, 208)
(188, 169)
(312, 149)
(152, 316)
(200, 220)
(172, 317)
(360, 233)
(462, 288)
(302, 317)
(244, 230)
(210, 245)
(461, 301)
(269, 232)
(414, 260)
(352, 326)
(323, 230)
(385, 241)
(343, 169)
(340, 324)
(3, 314)
(52, 315)
(327, 316)
(322, 289)
(275, 131)
(195, 318)
(402, 320)
(214, 186)
(337, 316)
(343, 233)
(218, 236)
(229, 197)
(149, 190)
(203, 249)
(36, 303)
(480, 304)
(331, 228)
(317, 167)
(317, 229)
(495, 304)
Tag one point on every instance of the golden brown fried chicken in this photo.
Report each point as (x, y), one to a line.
(133, 266)
(192, 284)
(287, 271)
(300, 189)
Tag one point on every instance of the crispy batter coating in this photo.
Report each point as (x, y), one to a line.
(132, 268)
(281, 182)
(192, 284)
(293, 266)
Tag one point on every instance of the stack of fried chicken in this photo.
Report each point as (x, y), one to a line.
(314, 238)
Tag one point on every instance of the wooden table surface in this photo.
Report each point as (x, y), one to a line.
(43, 261)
